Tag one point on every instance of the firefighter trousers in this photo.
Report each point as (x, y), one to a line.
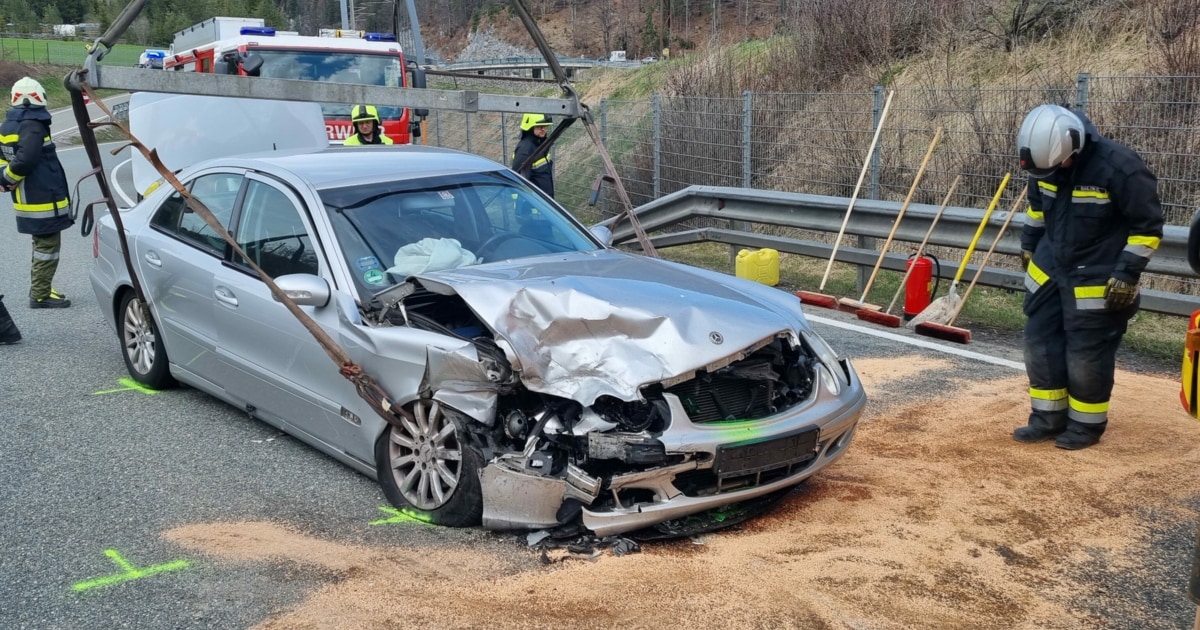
(1070, 370)
(46, 248)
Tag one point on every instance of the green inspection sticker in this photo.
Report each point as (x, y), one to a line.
(373, 276)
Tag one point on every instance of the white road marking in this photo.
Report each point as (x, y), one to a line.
(920, 343)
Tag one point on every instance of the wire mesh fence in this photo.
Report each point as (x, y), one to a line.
(818, 142)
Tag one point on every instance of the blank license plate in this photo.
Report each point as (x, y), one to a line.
(757, 456)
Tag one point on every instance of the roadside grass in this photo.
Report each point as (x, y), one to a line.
(1153, 335)
(62, 53)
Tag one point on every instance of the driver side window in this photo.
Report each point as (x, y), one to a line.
(272, 233)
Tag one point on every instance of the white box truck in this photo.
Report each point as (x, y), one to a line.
(211, 30)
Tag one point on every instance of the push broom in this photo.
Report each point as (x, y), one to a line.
(886, 318)
(941, 309)
(861, 303)
(821, 299)
(948, 331)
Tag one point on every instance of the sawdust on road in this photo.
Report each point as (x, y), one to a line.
(935, 518)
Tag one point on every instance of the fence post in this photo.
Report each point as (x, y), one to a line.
(1081, 91)
(657, 106)
(503, 139)
(437, 126)
(467, 127)
(866, 242)
(604, 141)
(747, 121)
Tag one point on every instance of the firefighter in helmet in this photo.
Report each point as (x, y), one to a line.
(30, 170)
(1093, 222)
(368, 129)
(540, 171)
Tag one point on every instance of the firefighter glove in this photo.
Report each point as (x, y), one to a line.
(1026, 256)
(1119, 294)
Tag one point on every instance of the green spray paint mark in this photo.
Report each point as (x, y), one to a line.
(401, 516)
(129, 385)
(129, 572)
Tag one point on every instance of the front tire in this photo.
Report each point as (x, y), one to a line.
(429, 466)
(143, 351)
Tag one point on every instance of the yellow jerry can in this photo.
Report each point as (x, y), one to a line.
(760, 265)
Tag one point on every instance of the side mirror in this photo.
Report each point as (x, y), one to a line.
(304, 289)
(602, 233)
(252, 64)
(418, 81)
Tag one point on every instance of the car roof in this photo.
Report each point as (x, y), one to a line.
(337, 167)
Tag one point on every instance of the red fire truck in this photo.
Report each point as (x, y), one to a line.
(245, 46)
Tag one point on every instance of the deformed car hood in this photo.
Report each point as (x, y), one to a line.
(587, 324)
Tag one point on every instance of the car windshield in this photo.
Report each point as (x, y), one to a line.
(336, 67)
(391, 230)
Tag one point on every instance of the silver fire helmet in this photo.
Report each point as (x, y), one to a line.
(1049, 135)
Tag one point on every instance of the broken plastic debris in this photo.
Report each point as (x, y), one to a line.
(536, 537)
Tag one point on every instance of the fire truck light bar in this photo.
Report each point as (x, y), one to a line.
(258, 30)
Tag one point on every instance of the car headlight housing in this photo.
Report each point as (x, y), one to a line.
(833, 376)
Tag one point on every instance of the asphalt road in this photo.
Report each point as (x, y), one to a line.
(92, 472)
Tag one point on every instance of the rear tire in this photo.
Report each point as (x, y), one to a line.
(430, 467)
(143, 351)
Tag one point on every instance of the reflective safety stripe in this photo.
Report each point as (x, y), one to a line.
(38, 210)
(1142, 246)
(1048, 399)
(8, 172)
(1034, 278)
(1090, 196)
(1088, 413)
(12, 137)
(1089, 298)
(1048, 188)
(540, 163)
(44, 256)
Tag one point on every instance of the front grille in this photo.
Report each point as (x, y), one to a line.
(715, 398)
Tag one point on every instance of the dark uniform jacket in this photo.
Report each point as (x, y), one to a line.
(541, 172)
(1100, 218)
(29, 160)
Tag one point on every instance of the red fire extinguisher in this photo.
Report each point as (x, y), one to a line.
(922, 284)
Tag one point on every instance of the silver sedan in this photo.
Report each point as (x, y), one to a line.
(552, 381)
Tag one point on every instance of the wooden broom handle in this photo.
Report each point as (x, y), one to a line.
(1012, 212)
(900, 215)
(924, 242)
(853, 197)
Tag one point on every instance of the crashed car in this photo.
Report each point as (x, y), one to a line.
(552, 380)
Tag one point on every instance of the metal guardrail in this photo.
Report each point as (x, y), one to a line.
(870, 218)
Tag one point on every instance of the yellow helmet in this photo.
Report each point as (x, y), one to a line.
(364, 112)
(529, 121)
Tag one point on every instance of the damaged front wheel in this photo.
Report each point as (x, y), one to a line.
(430, 466)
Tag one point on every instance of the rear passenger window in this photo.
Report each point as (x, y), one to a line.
(217, 192)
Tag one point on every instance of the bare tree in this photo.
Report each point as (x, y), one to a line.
(1175, 34)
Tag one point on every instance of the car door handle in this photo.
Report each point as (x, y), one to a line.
(225, 296)
(153, 260)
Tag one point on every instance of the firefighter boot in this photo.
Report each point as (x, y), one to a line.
(8, 328)
(1042, 426)
(1079, 436)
